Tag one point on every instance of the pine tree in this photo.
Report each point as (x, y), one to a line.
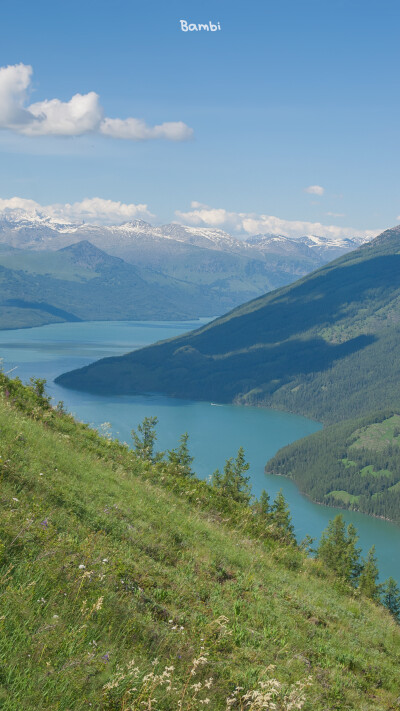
(216, 479)
(240, 482)
(233, 480)
(391, 597)
(369, 575)
(337, 549)
(353, 553)
(145, 440)
(281, 518)
(264, 506)
(181, 458)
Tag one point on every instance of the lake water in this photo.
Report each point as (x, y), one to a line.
(215, 431)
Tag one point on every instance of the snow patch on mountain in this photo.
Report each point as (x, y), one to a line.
(36, 230)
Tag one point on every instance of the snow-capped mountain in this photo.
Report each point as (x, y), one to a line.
(35, 230)
(222, 269)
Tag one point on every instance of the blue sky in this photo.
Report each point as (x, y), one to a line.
(286, 96)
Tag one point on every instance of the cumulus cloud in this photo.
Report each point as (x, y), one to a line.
(251, 223)
(82, 114)
(315, 190)
(93, 210)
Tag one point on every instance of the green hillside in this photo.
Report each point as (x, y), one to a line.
(354, 464)
(124, 580)
(81, 282)
(158, 278)
(311, 348)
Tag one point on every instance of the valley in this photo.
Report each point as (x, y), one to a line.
(52, 272)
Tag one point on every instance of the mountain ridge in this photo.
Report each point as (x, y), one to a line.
(226, 269)
(297, 348)
(81, 282)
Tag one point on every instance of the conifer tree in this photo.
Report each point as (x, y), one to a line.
(353, 553)
(265, 506)
(369, 575)
(337, 549)
(240, 482)
(216, 479)
(281, 518)
(391, 597)
(262, 508)
(181, 457)
(233, 480)
(145, 439)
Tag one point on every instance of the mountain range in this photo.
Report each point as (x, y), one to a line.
(81, 283)
(213, 270)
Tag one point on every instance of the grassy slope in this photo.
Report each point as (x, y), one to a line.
(355, 464)
(310, 348)
(170, 567)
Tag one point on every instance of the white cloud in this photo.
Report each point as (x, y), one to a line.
(137, 130)
(315, 190)
(111, 212)
(336, 214)
(196, 204)
(251, 223)
(82, 114)
(93, 210)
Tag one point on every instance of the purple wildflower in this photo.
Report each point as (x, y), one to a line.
(106, 657)
(44, 523)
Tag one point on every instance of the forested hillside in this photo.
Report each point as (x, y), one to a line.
(326, 346)
(354, 464)
(125, 579)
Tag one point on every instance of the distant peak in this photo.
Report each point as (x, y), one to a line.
(85, 254)
(83, 246)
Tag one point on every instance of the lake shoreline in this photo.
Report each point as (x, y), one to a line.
(329, 506)
(215, 433)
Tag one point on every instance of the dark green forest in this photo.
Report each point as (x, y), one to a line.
(354, 464)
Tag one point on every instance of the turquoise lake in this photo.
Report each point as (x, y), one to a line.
(215, 431)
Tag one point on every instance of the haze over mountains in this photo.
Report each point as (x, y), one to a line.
(326, 346)
(211, 270)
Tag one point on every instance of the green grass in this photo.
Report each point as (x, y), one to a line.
(107, 559)
(344, 497)
(348, 462)
(369, 470)
(379, 434)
